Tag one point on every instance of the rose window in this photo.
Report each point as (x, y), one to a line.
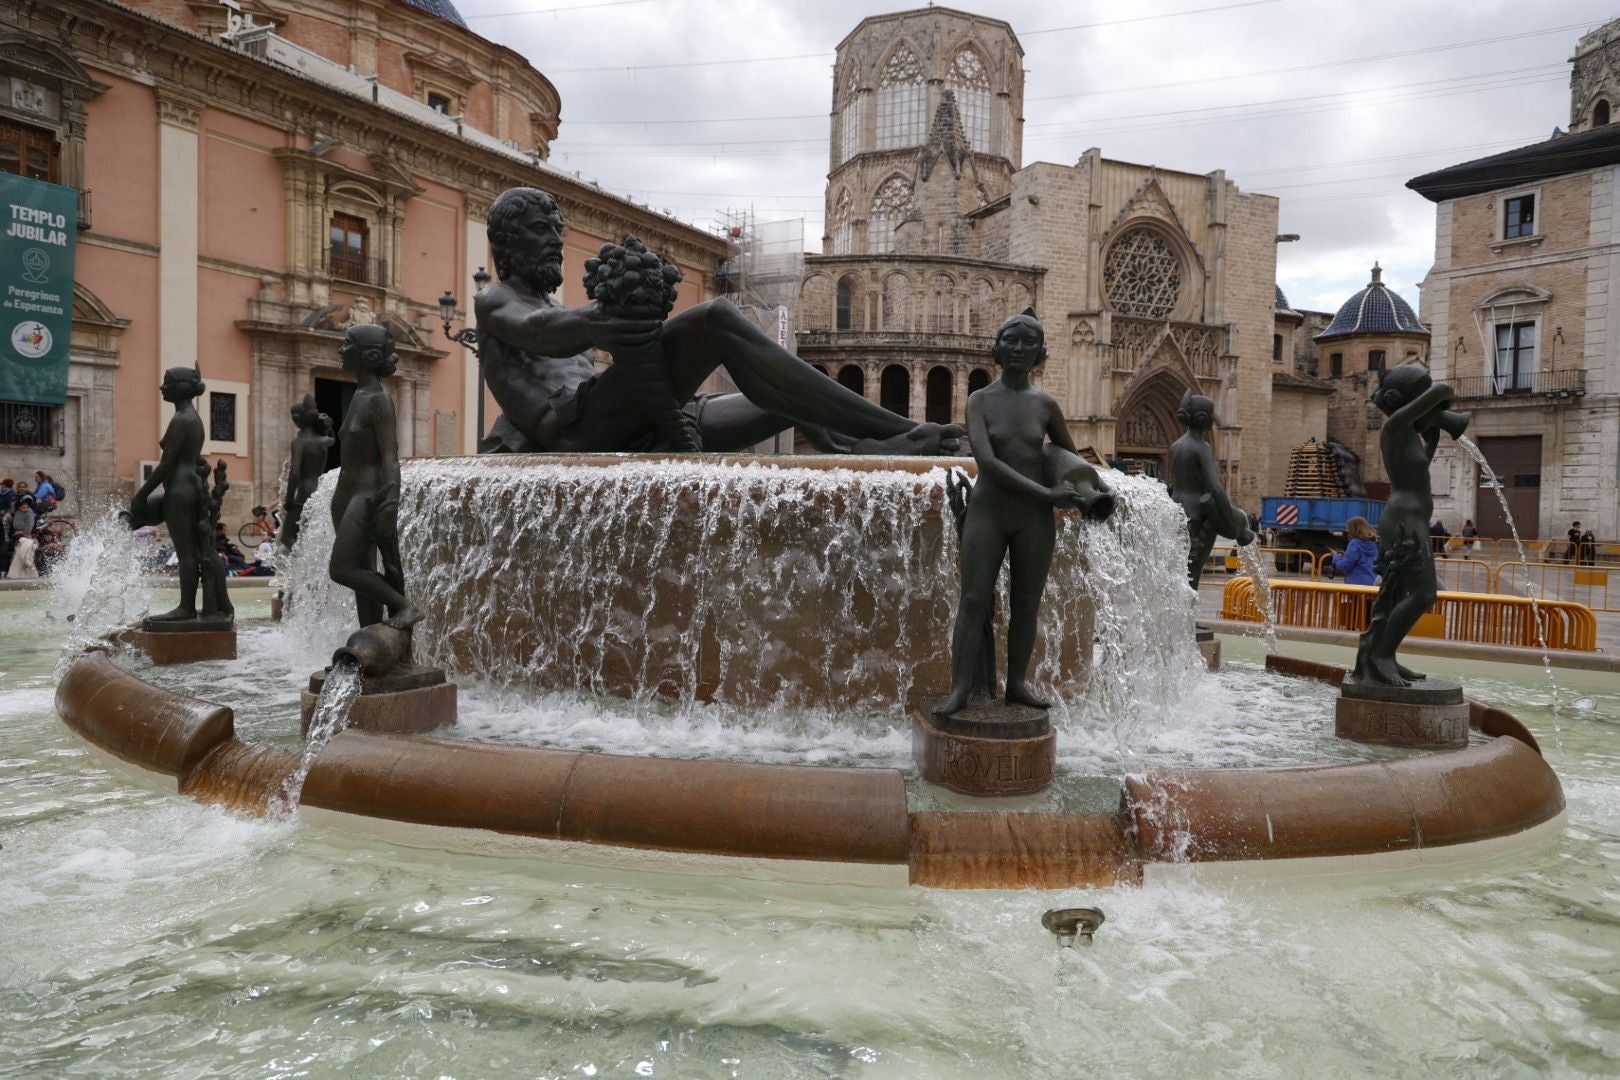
(1142, 275)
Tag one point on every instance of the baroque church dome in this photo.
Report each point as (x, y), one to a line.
(444, 9)
(1377, 309)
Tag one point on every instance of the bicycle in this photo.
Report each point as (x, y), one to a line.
(265, 525)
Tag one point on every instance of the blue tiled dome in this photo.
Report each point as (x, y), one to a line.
(444, 9)
(1282, 300)
(1374, 310)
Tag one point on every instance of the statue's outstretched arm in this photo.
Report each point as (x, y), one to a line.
(1437, 396)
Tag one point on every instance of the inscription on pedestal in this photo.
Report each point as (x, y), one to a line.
(1430, 715)
(983, 766)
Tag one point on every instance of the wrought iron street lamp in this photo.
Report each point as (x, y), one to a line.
(467, 336)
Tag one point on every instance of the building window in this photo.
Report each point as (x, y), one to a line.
(1142, 275)
(902, 102)
(851, 377)
(1600, 113)
(1515, 357)
(943, 319)
(1336, 364)
(221, 417)
(894, 390)
(978, 379)
(897, 302)
(27, 425)
(937, 402)
(980, 314)
(841, 319)
(439, 103)
(1519, 217)
(351, 248)
(890, 207)
(1276, 348)
(1375, 360)
(29, 151)
(849, 118)
(843, 225)
(969, 81)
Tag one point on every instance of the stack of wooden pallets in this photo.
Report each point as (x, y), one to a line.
(1313, 473)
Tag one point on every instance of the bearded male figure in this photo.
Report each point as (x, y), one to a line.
(534, 354)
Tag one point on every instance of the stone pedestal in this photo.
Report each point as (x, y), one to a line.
(1209, 647)
(1430, 714)
(407, 700)
(184, 642)
(988, 748)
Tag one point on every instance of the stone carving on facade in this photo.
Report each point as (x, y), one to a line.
(360, 313)
(1142, 274)
(1143, 428)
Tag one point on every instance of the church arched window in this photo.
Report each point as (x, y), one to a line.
(843, 223)
(1142, 274)
(897, 302)
(971, 84)
(943, 320)
(844, 304)
(902, 101)
(889, 207)
(1600, 113)
(849, 117)
(980, 313)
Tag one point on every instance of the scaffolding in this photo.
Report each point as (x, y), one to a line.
(763, 270)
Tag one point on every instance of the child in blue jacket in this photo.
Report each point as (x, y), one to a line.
(1356, 561)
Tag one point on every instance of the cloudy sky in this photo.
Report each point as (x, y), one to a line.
(702, 106)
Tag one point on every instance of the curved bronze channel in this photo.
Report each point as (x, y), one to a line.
(831, 814)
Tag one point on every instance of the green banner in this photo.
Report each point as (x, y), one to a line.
(38, 228)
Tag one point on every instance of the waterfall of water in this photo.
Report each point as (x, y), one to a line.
(1485, 469)
(330, 717)
(751, 585)
(1253, 562)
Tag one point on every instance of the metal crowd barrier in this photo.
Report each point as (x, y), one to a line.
(1457, 616)
(1588, 585)
(1226, 557)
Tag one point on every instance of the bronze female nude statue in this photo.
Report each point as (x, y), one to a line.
(365, 506)
(1011, 513)
(1196, 486)
(309, 451)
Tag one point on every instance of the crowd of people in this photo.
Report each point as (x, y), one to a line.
(29, 544)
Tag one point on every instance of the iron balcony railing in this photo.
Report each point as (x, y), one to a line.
(1547, 384)
(905, 338)
(363, 270)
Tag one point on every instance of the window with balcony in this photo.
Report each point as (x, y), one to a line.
(1519, 217)
(350, 255)
(1515, 361)
(30, 151)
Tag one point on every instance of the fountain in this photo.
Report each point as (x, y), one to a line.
(1196, 485)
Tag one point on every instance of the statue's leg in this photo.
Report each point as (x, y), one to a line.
(351, 566)
(731, 422)
(1404, 613)
(1201, 541)
(984, 545)
(1031, 561)
(717, 334)
(178, 508)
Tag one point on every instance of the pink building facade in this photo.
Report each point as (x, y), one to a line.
(253, 179)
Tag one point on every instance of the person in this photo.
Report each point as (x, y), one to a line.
(309, 452)
(228, 552)
(1573, 553)
(184, 504)
(8, 495)
(22, 566)
(1416, 408)
(23, 519)
(1438, 535)
(1357, 561)
(264, 561)
(534, 353)
(47, 489)
(365, 504)
(1469, 535)
(1196, 485)
(1588, 548)
(1011, 514)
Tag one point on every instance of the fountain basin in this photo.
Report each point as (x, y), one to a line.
(823, 822)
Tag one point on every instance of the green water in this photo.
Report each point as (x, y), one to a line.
(144, 935)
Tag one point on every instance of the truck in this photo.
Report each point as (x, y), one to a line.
(1311, 524)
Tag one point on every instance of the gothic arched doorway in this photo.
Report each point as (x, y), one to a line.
(1146, 425)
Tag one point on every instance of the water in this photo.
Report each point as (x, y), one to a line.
(145, 934)
(1535, 610)
(330, 717)
(1249, 555)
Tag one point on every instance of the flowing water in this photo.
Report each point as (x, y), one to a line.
(330, 717)
(1254, 564)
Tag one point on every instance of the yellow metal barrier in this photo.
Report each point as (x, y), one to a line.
(1489, 619)
(1465, 575)
(1302, 558)
(1588, 585)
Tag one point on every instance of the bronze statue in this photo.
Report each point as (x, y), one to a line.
(1010, 514)
(365, 506)
(1196, 485)
(176, 495)
(535, 353)
(309, 452)
(1416, 408)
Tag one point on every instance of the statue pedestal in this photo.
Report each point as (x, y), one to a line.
(1430, 714)
(184, 642)
(989, 748)
(1209, 647)
(407, 700)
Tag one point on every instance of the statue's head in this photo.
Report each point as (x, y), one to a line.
(1020, 342)
(369, 347)
(182, 384)
(304, 412)
(525, 238)
(1401, 385)
(1196, 411)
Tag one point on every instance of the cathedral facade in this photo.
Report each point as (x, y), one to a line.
(1150, 281)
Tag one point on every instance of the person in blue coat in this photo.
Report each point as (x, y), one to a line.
(1357, 559)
